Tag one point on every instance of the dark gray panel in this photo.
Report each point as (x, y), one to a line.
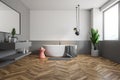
(6, 53)
(16, 56)
(7, 46)
(82, 46)
(110, 50)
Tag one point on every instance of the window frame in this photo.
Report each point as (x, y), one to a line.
(118, 21)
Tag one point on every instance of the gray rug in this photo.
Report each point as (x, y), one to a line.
(59, 58)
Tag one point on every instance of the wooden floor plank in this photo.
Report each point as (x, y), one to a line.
(82, 67)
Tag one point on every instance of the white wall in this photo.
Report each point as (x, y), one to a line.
(58, 25)
(97, 21)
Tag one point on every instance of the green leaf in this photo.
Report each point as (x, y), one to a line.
(94, 36)
(13, 32)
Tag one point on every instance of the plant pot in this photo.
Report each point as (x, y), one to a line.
(94, 52)
(14, 39)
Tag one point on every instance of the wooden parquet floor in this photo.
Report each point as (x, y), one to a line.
(83, 67)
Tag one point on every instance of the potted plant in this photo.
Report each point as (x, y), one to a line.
(94, 40)
(13, 33)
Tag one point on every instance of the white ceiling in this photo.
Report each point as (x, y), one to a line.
(62, 4)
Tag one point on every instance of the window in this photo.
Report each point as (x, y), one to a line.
(111, 23)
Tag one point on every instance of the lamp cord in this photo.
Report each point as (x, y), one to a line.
(77, 17)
